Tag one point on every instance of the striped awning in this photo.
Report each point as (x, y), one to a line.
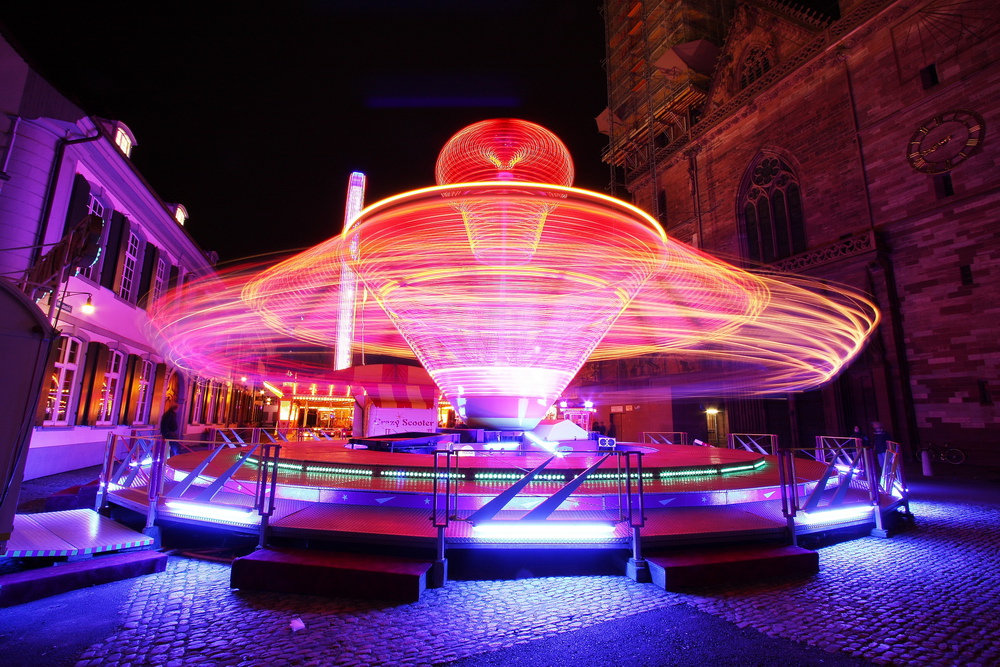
(420, 397)
(391, 385)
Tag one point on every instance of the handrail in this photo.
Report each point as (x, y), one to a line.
(138, 461)
(761, 443)
(665, 437)
(155, 481)
(239, 437)
(850, 465)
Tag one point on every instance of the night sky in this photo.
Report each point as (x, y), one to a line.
(253, 115)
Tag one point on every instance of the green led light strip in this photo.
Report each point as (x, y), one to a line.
(316, 469)
(326, 470)
(513, 476)
(420, 474)
(720, 470)
(614, 476)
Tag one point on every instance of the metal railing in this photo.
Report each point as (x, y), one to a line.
(850, 489)
(239, 437)
(665, 437)
(138, 461)
(629, 481)
(127, 462)
(265, 490)
(446, 489)
(760, 443)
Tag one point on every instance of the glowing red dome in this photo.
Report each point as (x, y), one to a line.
(504, 149)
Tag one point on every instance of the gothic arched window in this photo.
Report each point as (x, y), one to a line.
(771, 206)
(756, 63)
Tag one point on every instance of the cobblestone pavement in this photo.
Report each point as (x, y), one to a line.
(926, 596)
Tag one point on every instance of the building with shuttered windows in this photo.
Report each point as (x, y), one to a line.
(79, 226)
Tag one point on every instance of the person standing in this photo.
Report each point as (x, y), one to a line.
(170, 429)
(880, 440)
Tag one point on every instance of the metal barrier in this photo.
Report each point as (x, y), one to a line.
(665, 437)
(126, 462)
(832, 448)
(629, 479)
(761, 443)
(441, 514)
(892, 480)
(138, 461)
(239, 437)
(850, 488)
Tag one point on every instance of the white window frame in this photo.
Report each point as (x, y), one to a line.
(159, 279)
(144, 397)
(130, 267)
(63, 383)
(110, 389)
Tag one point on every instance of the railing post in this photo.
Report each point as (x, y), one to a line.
(900, 479)
(873, 475)
(789, 501)
(439, 517)
(100, 503)
(267, 479)
(155, 488)
(637, 568)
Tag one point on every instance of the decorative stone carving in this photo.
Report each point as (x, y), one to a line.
(855, 245)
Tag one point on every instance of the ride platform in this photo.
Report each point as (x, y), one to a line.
(333, 492)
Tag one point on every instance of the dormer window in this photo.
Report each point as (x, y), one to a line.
(180, 213)
(124, 142)
(124, 138)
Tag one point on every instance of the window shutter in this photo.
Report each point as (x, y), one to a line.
(150, 257)
(78, 201)
(93, 374)
(130, 393)
(175, 274)
(158, 387)
(114, 252)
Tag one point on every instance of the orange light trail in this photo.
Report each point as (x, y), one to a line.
(503, 286)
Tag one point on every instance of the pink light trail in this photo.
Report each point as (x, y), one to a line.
(503, 281)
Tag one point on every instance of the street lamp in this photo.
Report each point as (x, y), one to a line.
(58, 304)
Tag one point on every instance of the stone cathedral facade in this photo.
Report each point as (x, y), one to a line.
(857, 142)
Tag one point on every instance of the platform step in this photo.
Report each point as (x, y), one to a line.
(75, 497)
(335, 574)
(692, 568)
(20, 587)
